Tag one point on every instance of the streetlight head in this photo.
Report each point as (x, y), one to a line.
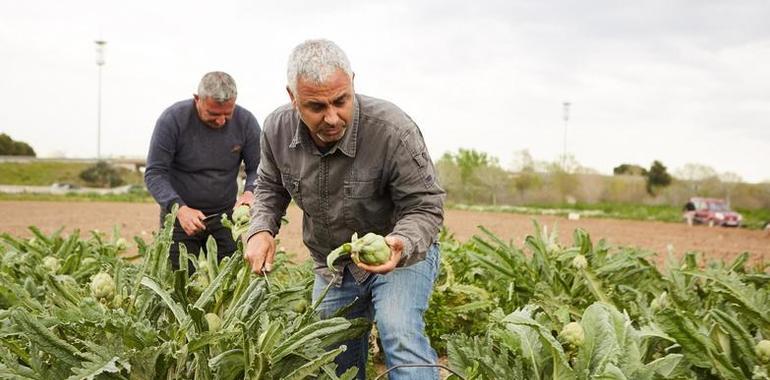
(100, 51)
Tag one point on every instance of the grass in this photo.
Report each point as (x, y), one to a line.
(132, 197)
(752, 219)
(41, 173)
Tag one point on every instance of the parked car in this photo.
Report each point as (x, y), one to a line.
(714, 212)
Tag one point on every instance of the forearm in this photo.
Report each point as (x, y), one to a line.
(415, 192)
(159, 159)
(160, 188)
(270, 198)
(419, 221)
(270, 203)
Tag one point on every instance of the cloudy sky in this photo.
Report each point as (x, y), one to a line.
(677, 81)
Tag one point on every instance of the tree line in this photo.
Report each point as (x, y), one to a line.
(10, 147)
(474, 177)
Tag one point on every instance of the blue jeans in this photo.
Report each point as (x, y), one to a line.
(397, 302)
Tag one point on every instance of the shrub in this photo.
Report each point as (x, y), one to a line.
(102, 175)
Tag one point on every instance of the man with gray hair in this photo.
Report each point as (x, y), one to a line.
(353, 163)
(194, 159)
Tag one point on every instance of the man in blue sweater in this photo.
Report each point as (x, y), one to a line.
(195, 155)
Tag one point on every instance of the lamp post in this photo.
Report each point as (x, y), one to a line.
(99, 63)
(565, 106)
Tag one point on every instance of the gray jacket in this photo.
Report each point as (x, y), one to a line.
(379, 178)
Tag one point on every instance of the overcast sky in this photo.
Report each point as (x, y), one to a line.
(676, 81)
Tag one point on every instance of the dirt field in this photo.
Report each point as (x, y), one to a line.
(142, 219)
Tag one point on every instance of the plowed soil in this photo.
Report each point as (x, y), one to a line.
(142, 219)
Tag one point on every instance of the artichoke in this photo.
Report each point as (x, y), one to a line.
(580, 262)
(763, 351)
(52, 264)
(241, 214)
(572, 334)
(213, 322)
(371, 249)
(103, 286)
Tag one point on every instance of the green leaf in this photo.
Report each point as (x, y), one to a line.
(211, 257)
(741, 339)
(311, 368)
(65, 354)
(228, 365)
(95, 365)
(268, 339)
(522, 318)
(666, 365)
(175, 308)
(307, 334)
(610, 340)
(231, 265)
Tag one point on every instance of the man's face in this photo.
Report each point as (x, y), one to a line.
(213, 113)
(326, 108)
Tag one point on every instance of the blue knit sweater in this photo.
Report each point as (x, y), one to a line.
(190, 163)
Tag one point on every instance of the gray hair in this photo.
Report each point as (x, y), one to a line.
(316, 61)
(217, 85)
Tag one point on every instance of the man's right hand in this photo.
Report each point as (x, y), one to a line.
(260, 252)
(191, 220)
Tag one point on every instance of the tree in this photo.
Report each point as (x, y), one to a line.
(629, 169)
(9, 147)
(468, 160)
(657, 177)
(474, 174)
(696, 172)
(699, 177)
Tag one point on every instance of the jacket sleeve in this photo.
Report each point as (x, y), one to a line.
(159, 159)
(251, 152)
(270, 197)
(416, 194)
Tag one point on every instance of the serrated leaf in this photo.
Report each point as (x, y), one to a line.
(666, 365)
(312, 367)
(96, 365)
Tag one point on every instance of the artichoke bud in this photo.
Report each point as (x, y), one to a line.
(213, 322)
(572, 334)
(51, 264)
(580, 262)
(763, 351)
(241, 214)
(103, 286)
(371, 250)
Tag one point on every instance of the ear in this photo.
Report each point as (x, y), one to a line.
(291, 96)
(196, 97)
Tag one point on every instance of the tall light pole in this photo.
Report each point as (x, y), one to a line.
(564, 150)
(99, 62)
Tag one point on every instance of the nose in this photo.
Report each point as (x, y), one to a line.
(220, 120)
(331, 117)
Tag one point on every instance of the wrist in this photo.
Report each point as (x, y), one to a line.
(261, 234)
(176, 201)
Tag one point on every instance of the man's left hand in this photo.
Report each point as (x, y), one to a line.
(396, 247)
(247, 198)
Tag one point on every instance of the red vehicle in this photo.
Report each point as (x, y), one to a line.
(714, 212)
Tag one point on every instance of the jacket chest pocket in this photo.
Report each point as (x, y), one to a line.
(366, 208)
(294, 187)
